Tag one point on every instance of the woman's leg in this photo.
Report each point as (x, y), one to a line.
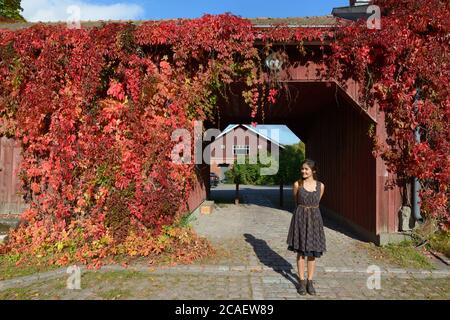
(311, 267)
(301, 266)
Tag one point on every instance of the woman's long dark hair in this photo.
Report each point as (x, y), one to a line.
(313, 165)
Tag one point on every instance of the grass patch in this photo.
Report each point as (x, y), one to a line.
(224, 202)
(4, 228)
(19, 294)
(186, 220)
(9, 269)
(222, 205)
(92, 278)
(109, 285)
(440, 242)
(114, 294)
(60, 283)
(403, 254)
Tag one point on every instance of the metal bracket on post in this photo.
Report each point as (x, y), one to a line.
(281, 193)
(415, 187)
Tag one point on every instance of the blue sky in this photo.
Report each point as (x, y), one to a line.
(57, 10)
(245, 8)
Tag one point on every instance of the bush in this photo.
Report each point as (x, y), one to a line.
(288, 170)
(422, 233)
(440, 242)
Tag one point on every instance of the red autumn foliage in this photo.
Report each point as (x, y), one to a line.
(95, 110)
(404, 68)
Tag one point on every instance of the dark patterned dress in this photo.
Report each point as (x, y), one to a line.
(306, 235)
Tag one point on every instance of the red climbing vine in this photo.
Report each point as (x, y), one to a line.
(95, 108)
(404, 68)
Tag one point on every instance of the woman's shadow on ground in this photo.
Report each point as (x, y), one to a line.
(272, 259)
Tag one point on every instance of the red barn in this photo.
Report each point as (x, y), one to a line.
(238, 139)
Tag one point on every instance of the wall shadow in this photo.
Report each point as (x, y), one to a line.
(271, 194)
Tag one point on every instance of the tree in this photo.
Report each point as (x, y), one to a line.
(288, 168)
(243, 173)
(10, 10)
(290, 160)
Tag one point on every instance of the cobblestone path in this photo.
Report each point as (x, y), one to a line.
(252, 263)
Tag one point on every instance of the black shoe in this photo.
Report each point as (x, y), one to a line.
(301, 289)
(310, 288)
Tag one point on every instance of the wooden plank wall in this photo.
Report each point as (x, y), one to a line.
(10, 201)
(340, 145)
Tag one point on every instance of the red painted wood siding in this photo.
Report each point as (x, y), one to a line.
(389, 201)
(200, 188)
(340, 145)
(10, 201)
(240, 136)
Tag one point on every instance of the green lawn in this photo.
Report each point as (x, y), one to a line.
(402, 254)
(9, 269)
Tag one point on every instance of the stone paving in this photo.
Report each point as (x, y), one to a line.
(231, 285)
(255, 234)
(252, 263)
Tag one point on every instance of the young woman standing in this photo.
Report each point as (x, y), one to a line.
(306, 235)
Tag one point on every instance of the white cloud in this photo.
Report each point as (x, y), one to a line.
(57, 10)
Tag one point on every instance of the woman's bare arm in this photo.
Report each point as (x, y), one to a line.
(322, 190)
(295, 190)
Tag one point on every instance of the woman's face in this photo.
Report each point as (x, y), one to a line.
(306, 171)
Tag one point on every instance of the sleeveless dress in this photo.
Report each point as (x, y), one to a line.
(306, 235)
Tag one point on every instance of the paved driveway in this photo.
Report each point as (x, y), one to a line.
(252, 235)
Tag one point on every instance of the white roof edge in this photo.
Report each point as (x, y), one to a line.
(227, 130)
(253, 130)
(264, 136)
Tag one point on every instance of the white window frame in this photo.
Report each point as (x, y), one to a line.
(241, 147)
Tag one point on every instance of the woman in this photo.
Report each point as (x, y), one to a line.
(306, 234)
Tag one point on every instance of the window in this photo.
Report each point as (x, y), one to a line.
(238, 149)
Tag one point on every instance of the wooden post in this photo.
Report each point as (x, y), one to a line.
(206, 169)
(281, 194)
(236, 197)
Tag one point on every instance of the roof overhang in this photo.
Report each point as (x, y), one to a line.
(352, 12)
(327, 21)
(233, 127)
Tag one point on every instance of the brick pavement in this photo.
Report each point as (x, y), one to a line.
(253, 263)
(218, 282)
